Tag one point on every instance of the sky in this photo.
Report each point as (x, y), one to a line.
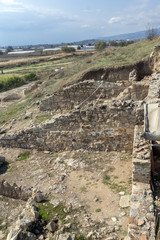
(24, 22)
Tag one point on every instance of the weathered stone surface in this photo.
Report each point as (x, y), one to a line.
(97, 128)
(2, 235)
(14, 191)
(142, 198)
(124, 201)
(38, 196)
(14, 234)
(52, 226)
(24, 222)
(81, 93)
(66, 236)
(133, 76)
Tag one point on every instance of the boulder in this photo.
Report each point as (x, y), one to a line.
(52, 226)
(38, 196)
(124, 201)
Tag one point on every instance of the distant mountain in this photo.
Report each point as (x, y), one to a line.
(132, 36)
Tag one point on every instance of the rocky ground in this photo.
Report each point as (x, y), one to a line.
(88, 184)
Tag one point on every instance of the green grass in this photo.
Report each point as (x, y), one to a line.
(43, 118)
(110, 57)
(13, 110)
(106, 175)
(106, 178)
(131, 54)
(24, 156)
(47, 211)
(98, 210)
(11, 81)
(82, 237)
(83, 189)
(109, 180)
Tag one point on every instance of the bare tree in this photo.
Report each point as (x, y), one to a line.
(151, 33)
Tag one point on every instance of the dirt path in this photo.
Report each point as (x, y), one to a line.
(36, 67)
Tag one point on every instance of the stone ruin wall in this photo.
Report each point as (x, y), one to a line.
(100, 84)
(80, 93)
(142, 217)
(108, 127)
(14, 191)
(142, 221)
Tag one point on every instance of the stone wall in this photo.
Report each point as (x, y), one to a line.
(82, 93)
(142, 218)
(142, 222)
(101, 84)
(107, 127)
(137, 91)
(14, 191)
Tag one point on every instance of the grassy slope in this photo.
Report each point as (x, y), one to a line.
(108, 58)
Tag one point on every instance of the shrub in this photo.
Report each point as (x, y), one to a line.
(67, 49)
(16, 81)
(30, 77)
(100, 45)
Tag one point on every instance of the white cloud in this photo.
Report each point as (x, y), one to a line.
(85, 26)
(114, 20)
(10, 2)
(11, 10)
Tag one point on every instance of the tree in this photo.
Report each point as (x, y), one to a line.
(113, 43)
(151, 33)
(100, 45)
(67, 49)
(1, 53)
(9, 49)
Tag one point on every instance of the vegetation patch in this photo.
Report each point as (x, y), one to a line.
(82, 237)
(108, 180)
(47, 211)
(13, 81)
(83, 189)
(12, 111)
(43, 118)
(67, 49)
(98, 210)
(24, 156)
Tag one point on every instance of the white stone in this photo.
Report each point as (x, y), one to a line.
(124, 201)
(114, 219)
(121, 193)
(122, 214)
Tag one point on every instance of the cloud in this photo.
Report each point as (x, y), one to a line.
(85, 26)
(11, 10)
(10, 2)
(114, 20)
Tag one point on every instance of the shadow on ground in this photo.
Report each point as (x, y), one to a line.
(3, 168)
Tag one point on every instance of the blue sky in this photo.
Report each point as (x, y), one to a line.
(54, 21)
